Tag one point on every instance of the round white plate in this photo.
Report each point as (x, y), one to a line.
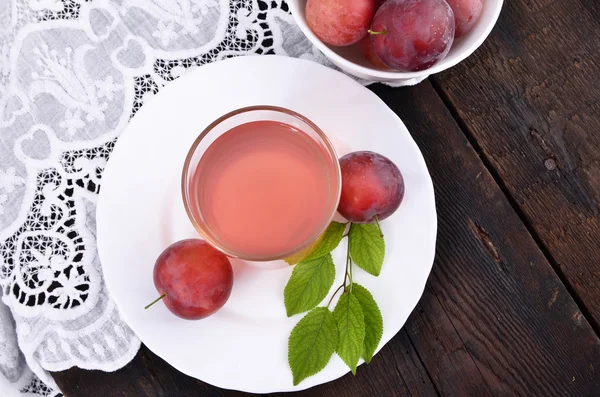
(140, 212)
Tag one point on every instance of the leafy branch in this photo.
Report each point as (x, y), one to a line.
(355, 327)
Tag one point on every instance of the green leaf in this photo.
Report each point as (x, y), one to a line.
(367, 247)
(373, 321)
(312, 343)
(310, 282)
(351, 325)
(321, 246)
(330, 239)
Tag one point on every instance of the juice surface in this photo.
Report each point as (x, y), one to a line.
(263, 188)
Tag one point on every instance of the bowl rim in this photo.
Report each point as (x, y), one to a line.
(395, 75)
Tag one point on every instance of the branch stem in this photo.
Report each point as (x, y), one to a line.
(334, 294)
(378, 225)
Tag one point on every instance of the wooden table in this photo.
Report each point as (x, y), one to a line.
(512, 307)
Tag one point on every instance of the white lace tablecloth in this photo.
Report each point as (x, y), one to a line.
(72, 74)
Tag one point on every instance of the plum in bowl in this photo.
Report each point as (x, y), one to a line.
(350, 59)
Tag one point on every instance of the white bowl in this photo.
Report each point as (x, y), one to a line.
(350, 60)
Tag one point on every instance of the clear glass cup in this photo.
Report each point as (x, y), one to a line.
(239, 117)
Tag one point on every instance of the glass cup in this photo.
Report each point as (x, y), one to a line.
(237, 118)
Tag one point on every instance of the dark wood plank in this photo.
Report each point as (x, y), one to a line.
(495, 318)
(397, 371)
(530, 98)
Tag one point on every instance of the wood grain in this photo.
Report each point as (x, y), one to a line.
(495, 318)
(530, 100)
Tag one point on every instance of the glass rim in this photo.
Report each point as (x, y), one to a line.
(188, 160)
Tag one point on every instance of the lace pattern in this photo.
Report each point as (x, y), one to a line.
(72, 74)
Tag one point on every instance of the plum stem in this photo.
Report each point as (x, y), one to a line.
(374, 32)
(378, 225)
(155, 300)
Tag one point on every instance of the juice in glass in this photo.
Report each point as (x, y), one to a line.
(264, 187)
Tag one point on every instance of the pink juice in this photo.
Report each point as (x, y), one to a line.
(264, 189)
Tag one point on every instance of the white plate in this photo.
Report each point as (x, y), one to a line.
(140, 212)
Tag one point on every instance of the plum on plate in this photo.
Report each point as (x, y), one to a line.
(340, 22)
(372, 187)
(193, 278)
(412, 35)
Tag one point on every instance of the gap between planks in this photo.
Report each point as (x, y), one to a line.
(419, 356)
